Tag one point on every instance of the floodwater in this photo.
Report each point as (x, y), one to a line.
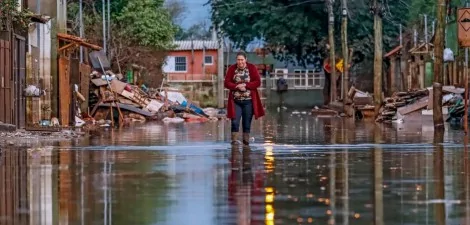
(299, 170)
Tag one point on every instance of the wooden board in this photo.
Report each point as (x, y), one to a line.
(65, 92)
(128, 102)
(85, 71)
(420, 104)
(430, 102)
(453, 89)
(118, 86)
(129, 108)
(99, 82)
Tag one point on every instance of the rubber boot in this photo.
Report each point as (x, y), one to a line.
(246, 138)
(234, 138)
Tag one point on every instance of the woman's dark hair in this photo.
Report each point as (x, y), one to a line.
(241, 53)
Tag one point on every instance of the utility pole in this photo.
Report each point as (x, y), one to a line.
(104, 25)
(344, 46)
(401, 35)
(378, 54)
(331, 38)
(109, 26)
(426, 31)
(220, 72)
(80, 12)
(438, 64)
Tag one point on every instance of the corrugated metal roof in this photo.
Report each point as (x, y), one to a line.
(195, 44)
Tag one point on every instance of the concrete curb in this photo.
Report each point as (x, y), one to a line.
(5, 127)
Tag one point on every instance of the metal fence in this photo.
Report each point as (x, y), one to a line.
(181, 78)
(300, 81)
(295, 81)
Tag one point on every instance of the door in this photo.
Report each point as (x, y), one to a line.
(19, 67)
(6, 87)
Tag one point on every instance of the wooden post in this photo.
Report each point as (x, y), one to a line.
(422, 70)
(331, 38)
(344, 47)
(378, 45)
(454, 71)
(220, 73)
(414, 73)
(465, 117)
(438, 64)
(392, 83)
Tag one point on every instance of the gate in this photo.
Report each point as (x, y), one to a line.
(6, 83)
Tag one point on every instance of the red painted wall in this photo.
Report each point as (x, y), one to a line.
(196, 67)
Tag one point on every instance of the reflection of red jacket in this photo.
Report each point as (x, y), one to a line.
(256, 195)
(255, 82)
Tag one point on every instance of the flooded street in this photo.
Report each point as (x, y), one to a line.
(299, 170)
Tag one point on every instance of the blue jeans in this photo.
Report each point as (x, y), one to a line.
(243, 111)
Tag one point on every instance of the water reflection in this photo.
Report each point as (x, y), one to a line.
(265, 184)
(439, 190)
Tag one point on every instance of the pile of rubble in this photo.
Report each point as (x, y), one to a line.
(400, 104)
(114, 100)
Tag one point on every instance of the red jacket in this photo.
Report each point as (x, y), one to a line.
(255, 82)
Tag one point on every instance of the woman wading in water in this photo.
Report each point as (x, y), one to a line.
(243, 80)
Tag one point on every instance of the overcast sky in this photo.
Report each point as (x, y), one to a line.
(196, 12)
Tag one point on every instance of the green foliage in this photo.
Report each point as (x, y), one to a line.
(11, 17)
(199, 31)
(419, 7)
(134, 22)
(147, 23)
(292, 28)
(298, 28)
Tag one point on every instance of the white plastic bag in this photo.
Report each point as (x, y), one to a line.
(33, 91)
(448, 55)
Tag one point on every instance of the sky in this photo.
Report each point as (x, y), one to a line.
(196, 13)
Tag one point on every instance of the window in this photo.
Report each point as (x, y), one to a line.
(298, 77)
(208, 60)
(180, 64)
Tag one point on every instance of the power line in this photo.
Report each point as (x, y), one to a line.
(216, 5)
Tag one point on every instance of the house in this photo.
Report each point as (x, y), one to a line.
(25, 58)
(192, 60)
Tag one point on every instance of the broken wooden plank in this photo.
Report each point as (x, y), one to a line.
(65, 91)
(420, 104)
(118, 86)
(99, 82)
(128, 102)
(154, 106)
(129, 108)
(430, 103)
(453, 89)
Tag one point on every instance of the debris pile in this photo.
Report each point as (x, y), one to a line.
(114, 100)
(403, 103)
(362, 103)
(400, 104)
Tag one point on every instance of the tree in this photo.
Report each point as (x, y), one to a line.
(200, 31)
(142, 31)
(291, 28)
(176, 9)
(298, 28)
(146, 23)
